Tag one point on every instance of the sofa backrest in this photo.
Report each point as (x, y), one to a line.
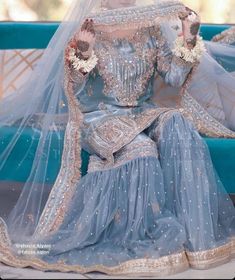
(22, 44)
(27, 35)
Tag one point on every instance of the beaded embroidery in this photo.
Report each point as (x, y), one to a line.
(114, 132)
(161, 266)
(126, 77)
(137, 16)
(226, 37)
(65, 185)
(202, 120)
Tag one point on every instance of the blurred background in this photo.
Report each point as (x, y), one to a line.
(211, 11)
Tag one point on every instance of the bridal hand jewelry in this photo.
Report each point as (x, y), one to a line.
(79, 54)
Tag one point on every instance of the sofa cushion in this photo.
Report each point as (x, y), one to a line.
(19, 164)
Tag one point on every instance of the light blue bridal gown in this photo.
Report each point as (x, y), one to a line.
(151, 201)
(151, 190)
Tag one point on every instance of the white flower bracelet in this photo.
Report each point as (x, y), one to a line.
(85, 65)
(188, 55)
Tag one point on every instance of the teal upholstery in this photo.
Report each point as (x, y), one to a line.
(223, 157)
(18, 165)
(222, 152)
(26, 35)
(37, 35)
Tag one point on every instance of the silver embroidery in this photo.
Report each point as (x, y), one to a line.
(114, 132)
(202, 120)
(65, 185)
(137, 14)
(226, 37)
(136, 149)
(126, 74)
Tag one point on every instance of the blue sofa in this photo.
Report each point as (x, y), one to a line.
(37, 35)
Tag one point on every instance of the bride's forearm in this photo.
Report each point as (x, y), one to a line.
(190, 28)
(80, 58)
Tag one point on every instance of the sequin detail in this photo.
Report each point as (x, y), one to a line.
(126, 74)
(137, 17)
(114, 132)
(163, 266)
(226, 37)
(202, 120)
(210, 258)
(69, 174)
(136, 149)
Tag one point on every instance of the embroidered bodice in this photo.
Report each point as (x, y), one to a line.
(127, 65)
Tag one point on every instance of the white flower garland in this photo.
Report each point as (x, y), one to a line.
(85, 65)
(188, 55)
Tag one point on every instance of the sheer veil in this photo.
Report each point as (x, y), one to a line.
(44, 106)
(41, 107)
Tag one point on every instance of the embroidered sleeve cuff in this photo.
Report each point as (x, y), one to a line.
(77, 77)
(182, 63)
(187, 55)
(226, 37)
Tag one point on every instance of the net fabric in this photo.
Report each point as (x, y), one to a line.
(210, 84)
(42, 102)
(42, 106)
(49, 106)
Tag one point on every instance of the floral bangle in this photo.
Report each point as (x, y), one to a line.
(85, 65)
(193, 55)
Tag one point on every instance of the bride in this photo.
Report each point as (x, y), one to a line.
(127, 81)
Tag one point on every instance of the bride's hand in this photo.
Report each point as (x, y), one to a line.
(82, 43)
(85, 39)
(190, 26)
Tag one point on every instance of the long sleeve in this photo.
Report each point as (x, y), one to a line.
(76, 78)
(174, 70)
(79, 80)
